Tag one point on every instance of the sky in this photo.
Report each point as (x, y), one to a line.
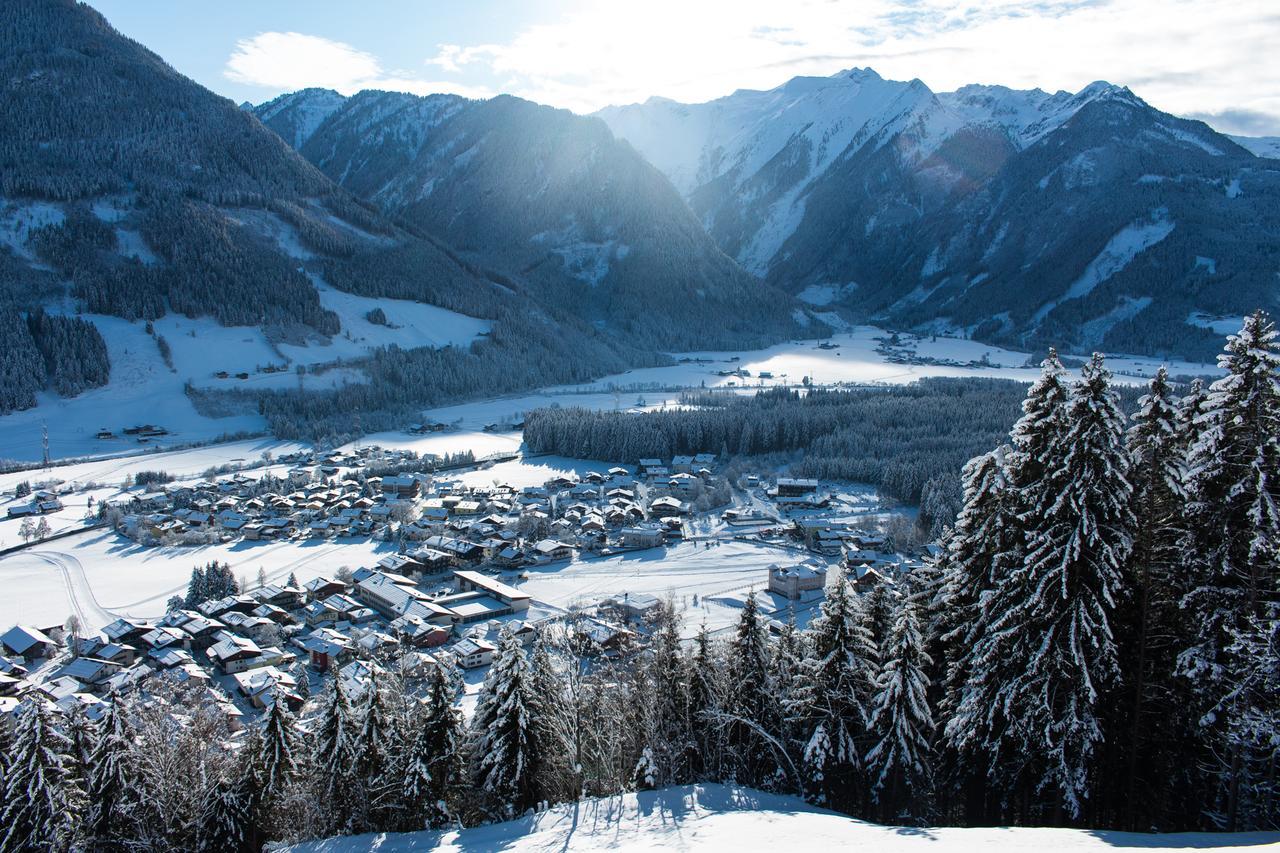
(1215, 60)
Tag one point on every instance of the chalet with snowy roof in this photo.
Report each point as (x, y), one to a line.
(403, 487)
(473, 652)
(266, 684)
(26, 642)
(400, 564)
(641, 536)
(419, 632)
(667, 506)
(552, 549)
(322, 587)
(326, 648)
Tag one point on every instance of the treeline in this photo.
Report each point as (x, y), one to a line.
(523, 351)
(210, 266)
(897, 438)
(38, 351)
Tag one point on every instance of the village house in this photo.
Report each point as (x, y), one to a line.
(473, 652)
(793, 581)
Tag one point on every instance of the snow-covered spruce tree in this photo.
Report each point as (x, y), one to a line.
(786, 672)
(705, 758)
(111, 785)
(553, 719)
(1151, 769)
(197, 587)
(645, 777)
(751, 715)
(668, 737)
(986, 541)
(504, 755)
(1191, 425)
(987, 548)
(433, 768)
(1234, 565)
(839, 676)
(42, 804)
(1038, 673)
(333, 758)
(815, 758)
(876, 607)
(377, 785)
(900, 764)
(225, 820)
(275, 767)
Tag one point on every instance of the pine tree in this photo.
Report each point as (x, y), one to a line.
(786, 673)
(839, 674)
(505, 756)
(225, 817)
(275, 768)
(41, 800)
(1234, 569)
(1035, 678)
(900, 762)
(334, 757)
(669, 736)
(197, 588)
(433, 770)
(751, 714)
(376, 783)
(1155, 769)
(704, 756)
(816, 757)
(111, 785)
(645, 776)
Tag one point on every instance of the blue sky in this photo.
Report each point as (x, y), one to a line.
(1210, 59)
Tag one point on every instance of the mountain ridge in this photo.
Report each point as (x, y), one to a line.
(889, 200)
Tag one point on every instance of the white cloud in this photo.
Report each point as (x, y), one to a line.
(1184, 56)
(291, 61)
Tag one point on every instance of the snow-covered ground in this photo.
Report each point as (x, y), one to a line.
(721, 817)
(100, 576)
(708, 581)
(142, 389)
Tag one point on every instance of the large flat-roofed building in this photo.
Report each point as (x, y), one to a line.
(795, 580)
(469, 581)
(792, 488)
(395, 597)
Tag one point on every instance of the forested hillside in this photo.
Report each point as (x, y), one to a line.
(546, 197)
(134, 192)
(1027, 219)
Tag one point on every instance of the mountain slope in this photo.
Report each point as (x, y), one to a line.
(721, 817)
(1024, 218)
(546, 197)
(128, 191)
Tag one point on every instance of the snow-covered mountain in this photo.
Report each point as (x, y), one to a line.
(1263, 146)
(544, 196)
(1023, 217)
(722, 817)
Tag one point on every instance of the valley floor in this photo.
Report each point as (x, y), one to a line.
(143, 390)
(721, 817)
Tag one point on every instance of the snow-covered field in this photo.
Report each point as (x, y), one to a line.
(143, 389)
(708, 583)
(100, 576)
(721, 817)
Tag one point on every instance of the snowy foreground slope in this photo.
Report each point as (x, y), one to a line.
(720, 817)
